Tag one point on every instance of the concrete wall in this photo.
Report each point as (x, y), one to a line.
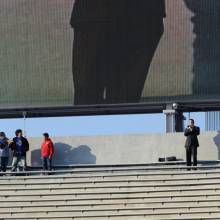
(121, 149)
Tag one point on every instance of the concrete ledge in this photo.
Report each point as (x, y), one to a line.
(123, 149)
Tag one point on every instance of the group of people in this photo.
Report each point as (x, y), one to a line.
(19, 146)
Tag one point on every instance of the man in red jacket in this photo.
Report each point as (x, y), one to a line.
(47, 151)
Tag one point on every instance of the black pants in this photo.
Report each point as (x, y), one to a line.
(4, 163)
(191, 152)
(47, 163)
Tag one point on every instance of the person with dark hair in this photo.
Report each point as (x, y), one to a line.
(19, 147)
(192, 143)
(114, 44)
(4, 152)
(47, 151)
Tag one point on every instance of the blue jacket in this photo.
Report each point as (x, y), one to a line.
(25, 146)
(4, 149)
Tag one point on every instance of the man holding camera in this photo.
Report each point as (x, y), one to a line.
(192, 143)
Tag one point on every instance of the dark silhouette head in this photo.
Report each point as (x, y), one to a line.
(2, 134)
(18, 133)
(46, 136)
(191, 122)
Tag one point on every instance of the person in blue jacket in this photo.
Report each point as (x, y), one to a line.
(4, 152)
(19, 147)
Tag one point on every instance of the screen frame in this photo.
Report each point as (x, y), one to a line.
(110, 109)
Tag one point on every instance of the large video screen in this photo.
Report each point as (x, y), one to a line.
(58, 53)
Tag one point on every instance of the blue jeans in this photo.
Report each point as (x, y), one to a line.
(4, 163)
(47, 163)
(18, 162)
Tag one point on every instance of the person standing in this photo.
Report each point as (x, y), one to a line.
(19, 147)
(192, 143)
(47, 151)
(4, 152)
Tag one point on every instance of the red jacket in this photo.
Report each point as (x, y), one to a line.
(47, 148)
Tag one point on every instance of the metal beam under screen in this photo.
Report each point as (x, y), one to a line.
(66, 57)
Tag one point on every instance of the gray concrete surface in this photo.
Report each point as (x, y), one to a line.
(123, 149)
(177, 194)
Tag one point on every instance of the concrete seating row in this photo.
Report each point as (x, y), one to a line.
(113, 193)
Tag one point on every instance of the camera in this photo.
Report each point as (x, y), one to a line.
(175, 106)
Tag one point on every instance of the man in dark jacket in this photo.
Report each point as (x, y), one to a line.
(192, 143)
(114, 43)
(19, 147)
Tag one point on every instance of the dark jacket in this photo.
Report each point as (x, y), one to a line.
(4, 150)
(25, 145)
(192, 140)
(119, 11)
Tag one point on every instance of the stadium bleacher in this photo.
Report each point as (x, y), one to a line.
(119, 192)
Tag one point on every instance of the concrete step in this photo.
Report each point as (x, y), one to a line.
(105, 202)
(114, 206)
(113, 195)
(127, 173)
(109, 195)
(112, 203)
(68, 199)
(213, 217)
(158, 213)
(108, 185)
(192, 218)
(171, 190)
(130, 167)
(106, 182)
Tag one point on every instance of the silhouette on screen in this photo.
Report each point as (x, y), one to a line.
(206, 64)
(114, 43)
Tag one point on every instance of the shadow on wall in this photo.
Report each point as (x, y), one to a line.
(65, 154)
(206, 67)
(217, 143)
